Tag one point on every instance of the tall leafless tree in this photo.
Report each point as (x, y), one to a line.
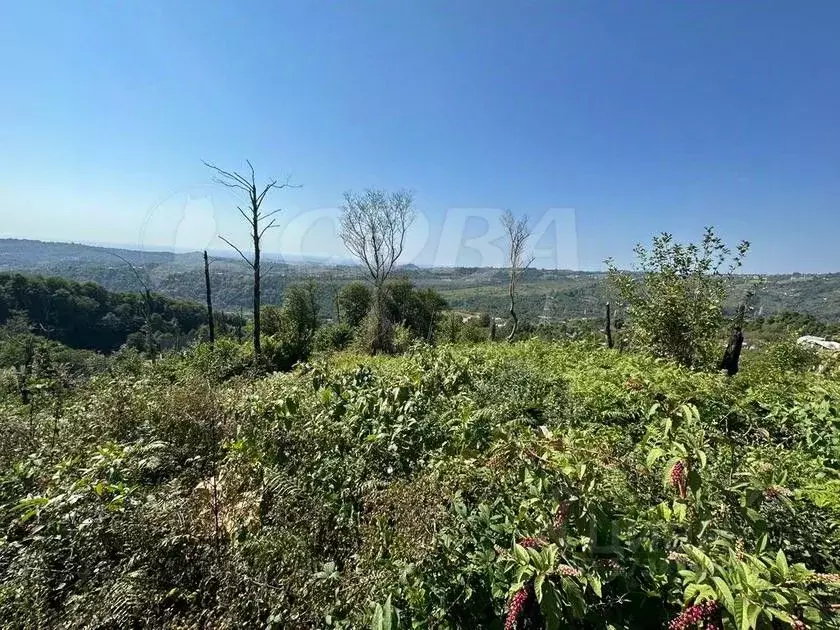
(373, 228)
(210, 323)
(146, 296)
(258, 221)
(517, 233)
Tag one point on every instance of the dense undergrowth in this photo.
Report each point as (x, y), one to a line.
(531, 485)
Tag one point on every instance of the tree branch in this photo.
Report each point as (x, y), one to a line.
(238, 251)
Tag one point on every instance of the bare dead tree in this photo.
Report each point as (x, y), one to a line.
(210, 323)
(258, 221)
(373, 228)
(517, 233)
(146, 296)
(608, 327)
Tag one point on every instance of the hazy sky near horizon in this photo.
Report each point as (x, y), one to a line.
(604, 121)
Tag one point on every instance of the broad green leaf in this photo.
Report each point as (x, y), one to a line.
(521, 554)
(724, 593)
(781, 563)
(595, 583)
(538, 586)
(551, 606)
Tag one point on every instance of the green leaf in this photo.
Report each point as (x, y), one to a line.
(576, 600)
(386, 614)
(521, 554)
(754, 612)
(724, 593)
(551, 606)
(781, 615)
(781, 563)
(653, 455)
(595, 583)
(377, 623)
(538, 586)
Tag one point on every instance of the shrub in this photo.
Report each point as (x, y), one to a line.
(375, 334)
(403, 338)
(790, 356)
(220, 361)
(676, 306)
(332, 337)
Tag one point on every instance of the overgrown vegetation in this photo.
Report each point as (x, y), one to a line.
(606, 490)
(455, 483)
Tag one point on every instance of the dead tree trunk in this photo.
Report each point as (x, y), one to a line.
(608, 327)
(257, 329)
(512, 309)
(258, 221)
(149, 337)
(732, 354)
(210, 323)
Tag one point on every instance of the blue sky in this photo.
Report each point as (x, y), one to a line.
(621, 118)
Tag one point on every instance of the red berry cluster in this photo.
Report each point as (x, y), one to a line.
(675, 556)
(610, 564)
(798, 624)
(532, 543)
(678, 477)
(562, 514)
(705, 612)
(516, 606)
(773, 492)
(568, 571)
(827, 578)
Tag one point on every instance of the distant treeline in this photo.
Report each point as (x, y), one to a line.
(86, 315)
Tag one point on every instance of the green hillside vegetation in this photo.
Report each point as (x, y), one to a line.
(559, 294)
(87, 316)
(449, 480)
(428, 488)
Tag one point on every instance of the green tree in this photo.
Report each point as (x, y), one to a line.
(354, 302)
(416, 309)
(300, 308)
(675, 301)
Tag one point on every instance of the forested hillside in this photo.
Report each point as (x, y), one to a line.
(556, 295)
(87, 316)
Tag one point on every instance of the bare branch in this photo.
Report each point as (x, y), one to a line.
(229, 179)
(517, 233)
(245, 215)
(269, 214)
(373, 228)
(269, 225)
(133, 269)
(238, 251)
